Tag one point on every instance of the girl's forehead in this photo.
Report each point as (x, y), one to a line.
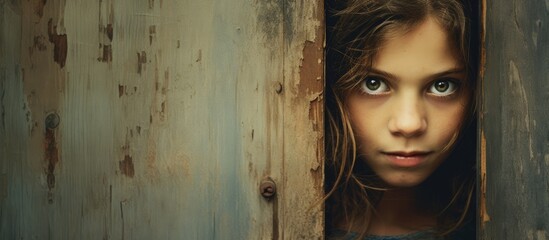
(428, 26)
(426, 47)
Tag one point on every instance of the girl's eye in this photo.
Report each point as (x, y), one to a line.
(443, 88)
(374, 86)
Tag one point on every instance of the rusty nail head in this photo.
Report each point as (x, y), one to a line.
(52, 120)
(267, 188)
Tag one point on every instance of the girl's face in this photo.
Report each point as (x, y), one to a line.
(408, 110)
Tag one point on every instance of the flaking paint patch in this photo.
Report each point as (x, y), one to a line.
(141, 60)
(109, 31)
(311, 67)
(107, 54)
(59, 44)
(39, 43)
(315, 112)
(309, 96)
(51, 159)
(121, 90)
(106, 31)
(160, 104)
(126, 166)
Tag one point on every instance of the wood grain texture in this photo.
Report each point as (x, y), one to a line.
(171, 113)
(303, 168)
(516, 120)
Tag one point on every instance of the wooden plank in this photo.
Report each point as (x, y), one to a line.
(303, 169)
(516, 121)
(12, 135)
(171, 113)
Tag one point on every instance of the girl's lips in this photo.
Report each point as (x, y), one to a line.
(406, 159)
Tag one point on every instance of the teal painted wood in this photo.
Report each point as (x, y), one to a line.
(516, 120)
(12, 136)
(171, 113)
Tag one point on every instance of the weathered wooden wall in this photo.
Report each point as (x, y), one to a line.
(170, 114)
(515, 120)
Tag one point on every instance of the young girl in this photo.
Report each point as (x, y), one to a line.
(400, 120)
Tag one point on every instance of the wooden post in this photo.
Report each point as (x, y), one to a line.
(515, 121)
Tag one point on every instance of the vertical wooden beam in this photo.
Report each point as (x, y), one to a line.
(12, 135)
(303, 166)
(516, 121)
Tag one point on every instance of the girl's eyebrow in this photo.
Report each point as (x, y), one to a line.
(457, 70)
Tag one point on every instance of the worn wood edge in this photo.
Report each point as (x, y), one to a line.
(302, 215)
(483, 212)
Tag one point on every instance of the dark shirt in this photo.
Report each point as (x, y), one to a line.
(467, 232)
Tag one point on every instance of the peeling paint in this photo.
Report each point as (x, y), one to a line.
(310, 68)
(107, 54)
(59, 42)
(141, 59)
(39, 43)
(304, 54)
(126, 166)
(114, 177)
(106, 31)
(315, 112)
(309, 85)
(121, 90)
(51, 154)
(109, 31)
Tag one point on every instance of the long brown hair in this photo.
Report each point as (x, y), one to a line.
(356, 29)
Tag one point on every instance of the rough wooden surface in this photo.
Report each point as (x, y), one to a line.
(171, 113)
(516, 120)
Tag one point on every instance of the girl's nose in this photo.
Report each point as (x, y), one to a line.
(408, 119)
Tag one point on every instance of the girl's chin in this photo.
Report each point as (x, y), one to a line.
(406, 181)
